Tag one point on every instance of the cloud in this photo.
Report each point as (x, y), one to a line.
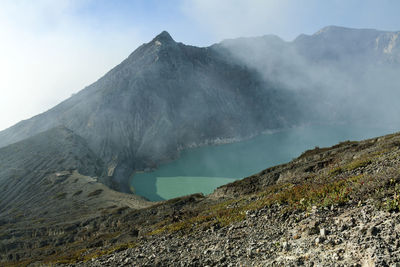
(340, 91)
(49, 50)
(331, 84)
(289, 18)
(237, 18)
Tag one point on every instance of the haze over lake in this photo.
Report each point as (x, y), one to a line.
(204, 169)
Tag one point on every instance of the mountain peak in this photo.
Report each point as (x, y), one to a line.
(164, 37)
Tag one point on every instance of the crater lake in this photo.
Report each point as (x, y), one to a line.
(202, 169)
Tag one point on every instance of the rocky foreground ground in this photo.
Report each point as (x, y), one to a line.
(358, 236)
(330, 207)
(337, 206)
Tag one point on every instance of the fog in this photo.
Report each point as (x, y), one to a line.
(50, 50)
(361, 86)
(334, 80)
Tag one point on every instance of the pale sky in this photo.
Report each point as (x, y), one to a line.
(50, 49)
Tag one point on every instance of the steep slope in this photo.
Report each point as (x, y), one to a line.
(52, 167)
(162, 98)
(49, 185)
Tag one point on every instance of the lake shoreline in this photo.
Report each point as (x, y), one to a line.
(243, 158)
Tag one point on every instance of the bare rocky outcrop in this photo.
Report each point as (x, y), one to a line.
(357, 236)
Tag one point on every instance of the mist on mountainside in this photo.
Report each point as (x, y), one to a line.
(340, 75)
(167, 96)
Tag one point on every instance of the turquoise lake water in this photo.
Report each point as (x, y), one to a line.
(204, 169)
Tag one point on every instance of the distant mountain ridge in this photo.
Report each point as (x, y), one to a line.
(334, 43)
(167, 96)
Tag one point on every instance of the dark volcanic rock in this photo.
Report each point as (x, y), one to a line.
(165, 96)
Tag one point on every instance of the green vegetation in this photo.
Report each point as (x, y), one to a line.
(350, 166)
(84, 255)
(219, 215)
(393, 203)
(357, 164)
(318, 150)
(74, 252)
(339, 186)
